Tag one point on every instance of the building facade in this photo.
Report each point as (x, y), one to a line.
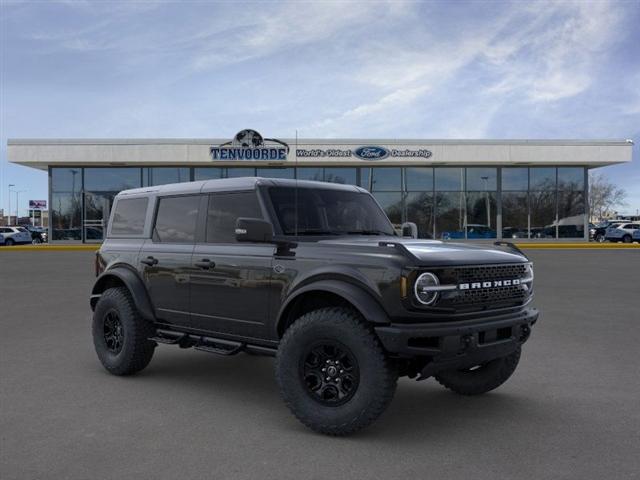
(451, 189)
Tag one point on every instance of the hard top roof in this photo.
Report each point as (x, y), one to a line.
(234, 184)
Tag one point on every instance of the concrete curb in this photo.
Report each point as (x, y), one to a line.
(531, 246)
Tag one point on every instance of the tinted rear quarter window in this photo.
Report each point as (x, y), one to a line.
(129, 216)
(224, 209)
(176, 219)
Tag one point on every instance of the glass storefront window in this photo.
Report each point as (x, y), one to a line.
(365, 178)
(449, 221)
(515, 215)
(391, 203)
(543, 214)
(207, 173)
(571, 211)
(419, 179)
(482, 179)
(571, 178)
(386, 179)
(449, 179)
(542, 178)
(66, 216)
(515, 179)
(419, 207)
(164, 175)
(240, 172)
(481, 215)
(275, 172)
(346, 176)
(310, 173)
(66, 179)
(110, 179)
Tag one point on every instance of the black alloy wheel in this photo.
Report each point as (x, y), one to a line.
(113, 332)
(330, 373)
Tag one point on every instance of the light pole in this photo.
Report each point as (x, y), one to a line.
(486, 200)
(9, 211)
(18, 192)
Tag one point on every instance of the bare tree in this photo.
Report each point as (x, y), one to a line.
(604, 196)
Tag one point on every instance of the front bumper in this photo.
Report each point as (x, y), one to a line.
(451, 345)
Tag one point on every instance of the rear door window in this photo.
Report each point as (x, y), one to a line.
(176, 219)
(129, 216)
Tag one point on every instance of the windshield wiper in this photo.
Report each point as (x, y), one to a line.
(368, 232)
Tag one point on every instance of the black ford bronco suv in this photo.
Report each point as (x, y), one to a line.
(315, 275)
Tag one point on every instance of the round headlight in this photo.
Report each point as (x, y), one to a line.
(423, 288)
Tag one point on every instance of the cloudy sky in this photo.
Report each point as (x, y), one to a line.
(328, 69)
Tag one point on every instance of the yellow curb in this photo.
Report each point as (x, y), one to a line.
(591, 246)
(43, 248)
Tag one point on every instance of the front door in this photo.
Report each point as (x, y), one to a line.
(165, 259)
(96, 212)
(231, 281)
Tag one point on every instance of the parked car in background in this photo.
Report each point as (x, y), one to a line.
(38, 234)
(600, 230)
(514, 232)
(473, 232)
(15, 235)
(622, 233)
(1, 239)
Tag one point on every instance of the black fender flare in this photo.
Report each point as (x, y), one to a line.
(134, 284)
(362, 300)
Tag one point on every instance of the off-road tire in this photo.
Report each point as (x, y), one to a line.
(485, 378)
(136, 350)
(377, 377)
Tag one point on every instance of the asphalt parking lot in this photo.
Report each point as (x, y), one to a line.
(572, 409)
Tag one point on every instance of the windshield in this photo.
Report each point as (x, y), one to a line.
(328, 212)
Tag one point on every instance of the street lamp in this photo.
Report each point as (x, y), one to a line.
(9, 211)
(18, 192)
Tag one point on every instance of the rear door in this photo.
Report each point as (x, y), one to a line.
(165, 259)
(231, 281)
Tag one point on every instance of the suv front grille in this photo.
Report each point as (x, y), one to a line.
(491, 272)
(485, 296)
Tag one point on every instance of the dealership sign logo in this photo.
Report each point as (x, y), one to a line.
(37, 204)
(366, 152)
(250, 145)
(371, 153)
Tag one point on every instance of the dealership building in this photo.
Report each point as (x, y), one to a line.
(451, 189)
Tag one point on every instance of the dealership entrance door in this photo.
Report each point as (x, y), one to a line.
(96, 215)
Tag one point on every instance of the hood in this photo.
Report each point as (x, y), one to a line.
(435, 252)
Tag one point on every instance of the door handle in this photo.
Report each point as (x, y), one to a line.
(205, 264)
(151, 261)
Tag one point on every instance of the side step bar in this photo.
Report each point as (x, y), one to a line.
(218, 346)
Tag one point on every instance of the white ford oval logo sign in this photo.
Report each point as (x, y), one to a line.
(371, 153)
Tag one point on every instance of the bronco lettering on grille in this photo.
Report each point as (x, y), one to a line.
(489, 284)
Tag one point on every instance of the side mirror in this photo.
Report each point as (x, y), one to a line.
(254, 230)
(409, 229)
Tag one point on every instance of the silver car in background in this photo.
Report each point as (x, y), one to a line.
(15, 235)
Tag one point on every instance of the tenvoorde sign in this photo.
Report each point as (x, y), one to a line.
(250, 145)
